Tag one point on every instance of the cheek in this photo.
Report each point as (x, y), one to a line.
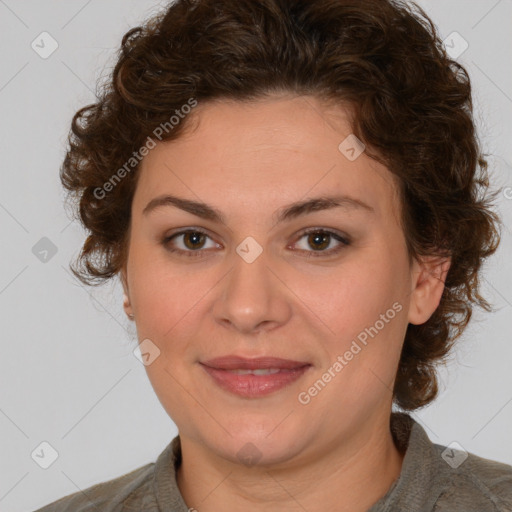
(352, 296)
(159, 290)
(364, 308)
(170, 305)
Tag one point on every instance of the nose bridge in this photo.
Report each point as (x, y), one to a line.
(252, 296)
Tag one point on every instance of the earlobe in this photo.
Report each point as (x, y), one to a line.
(429, 277)
(127, 306)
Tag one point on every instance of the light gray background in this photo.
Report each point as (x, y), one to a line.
(67, 372)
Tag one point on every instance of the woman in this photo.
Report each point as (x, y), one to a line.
(291, 195)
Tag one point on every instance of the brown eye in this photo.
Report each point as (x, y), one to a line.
(189, 243)
(194, 239)
(319, 239)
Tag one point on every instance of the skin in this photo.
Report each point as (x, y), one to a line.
(250, 160)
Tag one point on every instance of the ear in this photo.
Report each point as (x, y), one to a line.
(428, 278)
(127, 306)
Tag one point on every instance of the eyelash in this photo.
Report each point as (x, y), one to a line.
(315, 254)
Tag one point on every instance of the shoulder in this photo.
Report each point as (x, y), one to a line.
(475, 483)
(438, 478)
(126, 492)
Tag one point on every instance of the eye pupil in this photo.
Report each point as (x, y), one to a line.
(319, 238)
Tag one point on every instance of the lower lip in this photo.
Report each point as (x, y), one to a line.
(255, 386)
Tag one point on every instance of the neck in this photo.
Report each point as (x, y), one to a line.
(347, 476)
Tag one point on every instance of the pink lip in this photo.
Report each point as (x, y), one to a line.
(254, 386)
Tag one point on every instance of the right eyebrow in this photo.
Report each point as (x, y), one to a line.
(196, 208)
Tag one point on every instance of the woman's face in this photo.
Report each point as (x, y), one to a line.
(253, 285)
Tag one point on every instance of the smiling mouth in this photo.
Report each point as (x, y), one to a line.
(254, 378)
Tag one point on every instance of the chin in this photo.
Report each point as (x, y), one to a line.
(244, 450)
(260, 442)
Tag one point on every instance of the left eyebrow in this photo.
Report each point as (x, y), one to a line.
(315, 204)
(287, 213)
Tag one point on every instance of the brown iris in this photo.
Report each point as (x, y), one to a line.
(319, 238)
(195, 237)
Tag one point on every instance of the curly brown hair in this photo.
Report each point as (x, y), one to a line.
(412, 109)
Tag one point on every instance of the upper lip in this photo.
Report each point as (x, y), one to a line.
(233, 362)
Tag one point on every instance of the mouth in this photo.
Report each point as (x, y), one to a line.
(254, 378)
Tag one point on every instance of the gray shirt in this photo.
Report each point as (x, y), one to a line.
(433, 478)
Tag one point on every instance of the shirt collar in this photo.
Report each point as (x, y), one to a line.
(423, 475)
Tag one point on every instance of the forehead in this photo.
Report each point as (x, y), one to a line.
(263, 154)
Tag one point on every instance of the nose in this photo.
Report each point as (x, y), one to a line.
(253, 297)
